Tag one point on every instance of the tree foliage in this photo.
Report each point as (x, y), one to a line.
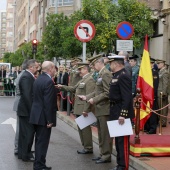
(59, 38)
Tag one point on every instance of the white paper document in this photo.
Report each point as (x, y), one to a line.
(83, 122)
(116, 130)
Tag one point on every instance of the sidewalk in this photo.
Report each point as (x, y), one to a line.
(138, 163)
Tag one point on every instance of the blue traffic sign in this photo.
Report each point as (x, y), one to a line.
(124, 30)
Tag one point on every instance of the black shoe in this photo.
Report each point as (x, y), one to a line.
(96, 158)
(47, 168)
(163, 125)
(151, 132)
(84, 152)
(29, 160)
(100, 161)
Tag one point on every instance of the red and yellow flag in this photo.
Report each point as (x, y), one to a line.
(145, 83)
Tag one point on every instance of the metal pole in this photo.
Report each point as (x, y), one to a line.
(56, 6)
(137, 123)
(68, 104)
(84, 51)
(160, 117)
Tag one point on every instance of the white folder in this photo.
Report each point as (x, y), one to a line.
(116, 130)
(83, 122)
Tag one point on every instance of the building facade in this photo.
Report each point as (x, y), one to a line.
(9, 26)
(2, 33)
(166, 32)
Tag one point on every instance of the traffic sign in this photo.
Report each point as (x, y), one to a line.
(124, 30)
(84, 30)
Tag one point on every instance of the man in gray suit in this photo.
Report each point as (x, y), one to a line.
(15, 106)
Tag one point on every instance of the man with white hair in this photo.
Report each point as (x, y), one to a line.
(126, 61)
(43, 113)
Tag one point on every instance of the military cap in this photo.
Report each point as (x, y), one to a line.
(116, 58)
(82, 64)
(152, 60)
(133, 57)
(160, 61)
(95, 58)
(76, 59)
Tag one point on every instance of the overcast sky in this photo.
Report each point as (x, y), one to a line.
(2, 5)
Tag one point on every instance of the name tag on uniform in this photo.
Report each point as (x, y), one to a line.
(82, 83)
(114, 80)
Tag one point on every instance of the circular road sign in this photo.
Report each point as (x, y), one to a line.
(84, 30)
(124, 30)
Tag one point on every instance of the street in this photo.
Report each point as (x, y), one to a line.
(62, 152)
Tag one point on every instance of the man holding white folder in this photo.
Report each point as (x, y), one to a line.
(121, 107)
(84, 87)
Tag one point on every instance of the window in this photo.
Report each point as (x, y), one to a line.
(65, 2)
(10, 34)
(52, 2)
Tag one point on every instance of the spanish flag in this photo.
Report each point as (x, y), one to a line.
(145, 83)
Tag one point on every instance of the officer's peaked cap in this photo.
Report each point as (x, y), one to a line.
(116, 58)
(82, 64)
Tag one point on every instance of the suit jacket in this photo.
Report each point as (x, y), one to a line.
(2, 75)
(163, 81)
(84, 87)
(101, 93)
(43, 110)
(17, 92)
(26, 92)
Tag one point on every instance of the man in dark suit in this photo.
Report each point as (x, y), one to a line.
(26, 130)
(43, 113)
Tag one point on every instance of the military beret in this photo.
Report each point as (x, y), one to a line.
(82, 64)
(116, 58)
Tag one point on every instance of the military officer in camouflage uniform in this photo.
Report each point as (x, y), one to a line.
(100, 99)
(135, 72)
(121, 107)
(163, 87)
(84, 87)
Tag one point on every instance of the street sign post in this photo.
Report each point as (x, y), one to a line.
(124, 45)
(124, 30)
(84, 31)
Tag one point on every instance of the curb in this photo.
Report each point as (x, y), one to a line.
(134, 162)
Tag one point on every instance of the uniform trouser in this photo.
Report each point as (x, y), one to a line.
(16, 136)
(86, 138)
(122, 148)
(164, 111)
(42, 139)
(26, 137)
(105, 142)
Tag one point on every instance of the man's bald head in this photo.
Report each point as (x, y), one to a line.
(48, 67)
